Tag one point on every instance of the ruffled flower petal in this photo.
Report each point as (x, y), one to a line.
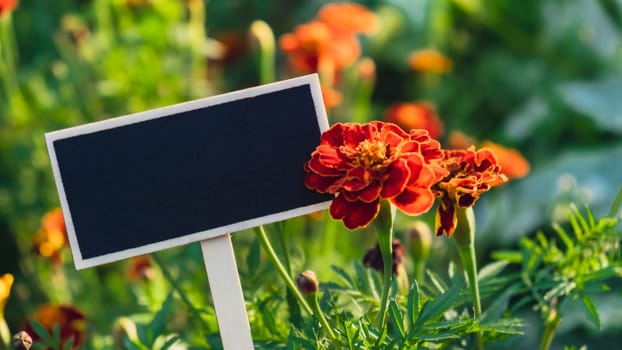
(354, 214)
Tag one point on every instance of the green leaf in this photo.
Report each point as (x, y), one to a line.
(413, 303)
(344, 276)
(253, 259)
(69, 344)
(56, 334)
(381, 339)
(397, 318)
(364, 279)
(491, 270)
(496, 309)
(158, 323)
(509, 256)
(172, 340)
(505, 325)
(437, 281)
(563, 288)
(437, 336)
(435, 308)
(564, 236)
(590, 310)
(41, 331)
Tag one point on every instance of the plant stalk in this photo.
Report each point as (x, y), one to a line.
(465, 240)
(384, 234)
(262, 32)
(5, 334)
(265, 243)
(313, 300)
(550, 327)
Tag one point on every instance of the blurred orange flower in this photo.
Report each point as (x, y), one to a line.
(328, 43)
(348, 17)
(315, 46)
(459, 140)
(332, 98)
(71, 321)
(471, 173)
(6, 6)
(6, 282)
(53, 236)
(430, 61)
(513, 164)
(416, 115)
(363, 163)
(140, 268)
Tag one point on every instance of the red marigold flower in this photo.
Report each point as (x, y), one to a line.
(363, 163)
(70, 320)
(416, 115)
(6, 6)
(471, 173)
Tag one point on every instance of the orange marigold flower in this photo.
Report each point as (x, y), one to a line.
(460, 140)
(363, 163)
(331, 97)
(471, 173)
(6, 6)
(348, 17)
(429, 60)
(140, 268)
(416, 115)
(315, 46)
(52, 237)
(70, 320)
(6, 282)
(513, 164)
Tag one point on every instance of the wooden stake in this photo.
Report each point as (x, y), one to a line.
(224, 281)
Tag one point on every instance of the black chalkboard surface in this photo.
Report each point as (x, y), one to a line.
(188, 172)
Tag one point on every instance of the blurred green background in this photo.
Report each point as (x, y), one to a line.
(541, 76)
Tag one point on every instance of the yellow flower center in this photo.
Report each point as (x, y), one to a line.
(371, 154)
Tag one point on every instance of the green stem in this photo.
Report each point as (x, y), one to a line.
(313, 300)
(282, 242)
(387, 261)
(419, 268)
(265, 243)
(549, 329)
(169, 277)
(5, 334)
(616, 204)
(384, 234)
(465, 240)
(262, 32)
(7, 57)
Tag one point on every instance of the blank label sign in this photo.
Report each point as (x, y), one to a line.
(188, 172)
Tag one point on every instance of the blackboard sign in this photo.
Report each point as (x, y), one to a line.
(188, 172)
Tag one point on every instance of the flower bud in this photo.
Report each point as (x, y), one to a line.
(373, 257)
(419, 236)
(307, 282)
(22, 341)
